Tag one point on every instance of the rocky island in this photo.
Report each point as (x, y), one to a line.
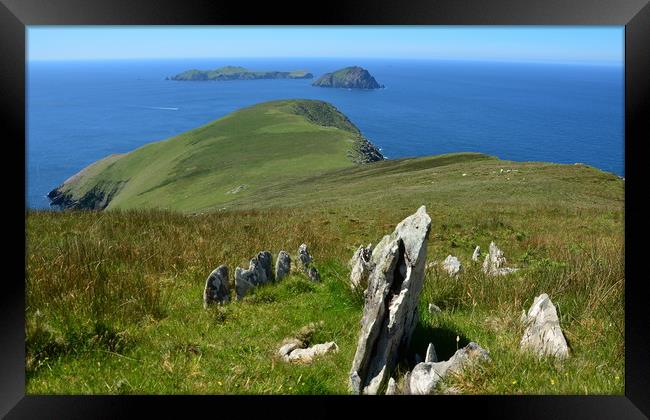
(237, 73)
(350, 77)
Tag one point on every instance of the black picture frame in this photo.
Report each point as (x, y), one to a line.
(15, 15)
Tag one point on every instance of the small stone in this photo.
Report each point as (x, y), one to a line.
(431, 354)
(216, 287)
(451, 265)
(476, 254)
(543, 335)
(361, 266)
(282, 265)
(424, 377)
(434, 309)
(314, 275)
(307, 355)
(495, 261)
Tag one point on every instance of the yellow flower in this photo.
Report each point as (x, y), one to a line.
(514, 382)
(552, 381)
(617, 378)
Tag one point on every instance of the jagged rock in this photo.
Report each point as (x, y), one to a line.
(434, 309)
(424, 377)
(282, 265)
(431, 356)
(391, 389)
(495, 261)
(265, 260)
(543, 335)
(361, 266)
(390, 310)
(313, 275)
(451, 265)
(216, 287)
(476, 254)
(304, 259)
(306, 355)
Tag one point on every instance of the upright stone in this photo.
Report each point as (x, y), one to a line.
(476, 254)
(543, 335)
(216, 287)
(247, 279)
(495, 262)
(265, 260)
(282, 265)
(361, 266)
(314, 275)
(390, 311)
(304, 259)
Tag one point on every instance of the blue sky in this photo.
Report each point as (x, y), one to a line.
(583, 44)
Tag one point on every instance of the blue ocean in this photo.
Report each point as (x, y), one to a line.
(79, 112)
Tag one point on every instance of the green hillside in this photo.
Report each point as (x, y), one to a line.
(238, 73)
(239, 155)
(114, 298)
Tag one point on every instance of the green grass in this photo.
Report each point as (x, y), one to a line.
(256, 147)
(114, 298)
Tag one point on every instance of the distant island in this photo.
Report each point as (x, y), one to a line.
(354, 77)
(238, 73)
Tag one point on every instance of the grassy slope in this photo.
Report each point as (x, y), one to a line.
(257, 147)
(113, 308)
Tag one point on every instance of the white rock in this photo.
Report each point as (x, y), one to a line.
(476, 254)
(451, 265)
(431, 354)
(392, 387)
(434, 309)
(543, 335)
(495, 261)
(361, 266)
(300, 355)
(424, 377)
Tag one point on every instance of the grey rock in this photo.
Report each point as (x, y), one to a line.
(476, 254)
(424, 377)
(543, 335)
(451, 265)
(216, 287)
(282, 265)
(361, 266)
(307, 355)
(313, 275)
(434, 309)
(431, 354)
(390, 310)
(245, 280)
(495, 262)
(265, 260)
(304, 259)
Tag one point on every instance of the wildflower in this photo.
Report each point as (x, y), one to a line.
(514, 381)
(552, 381)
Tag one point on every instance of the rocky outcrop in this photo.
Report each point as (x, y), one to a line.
(390, 310)
(353, 77)
(451, 265)
(282, 265)
(543, 335)
(361, 266)
(304, 263)
(495, 262)
(97, 198)
(424, 377)
(216, 287)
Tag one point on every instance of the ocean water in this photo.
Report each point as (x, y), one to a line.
(79, 112)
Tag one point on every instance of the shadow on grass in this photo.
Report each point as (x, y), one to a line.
(443, 339)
